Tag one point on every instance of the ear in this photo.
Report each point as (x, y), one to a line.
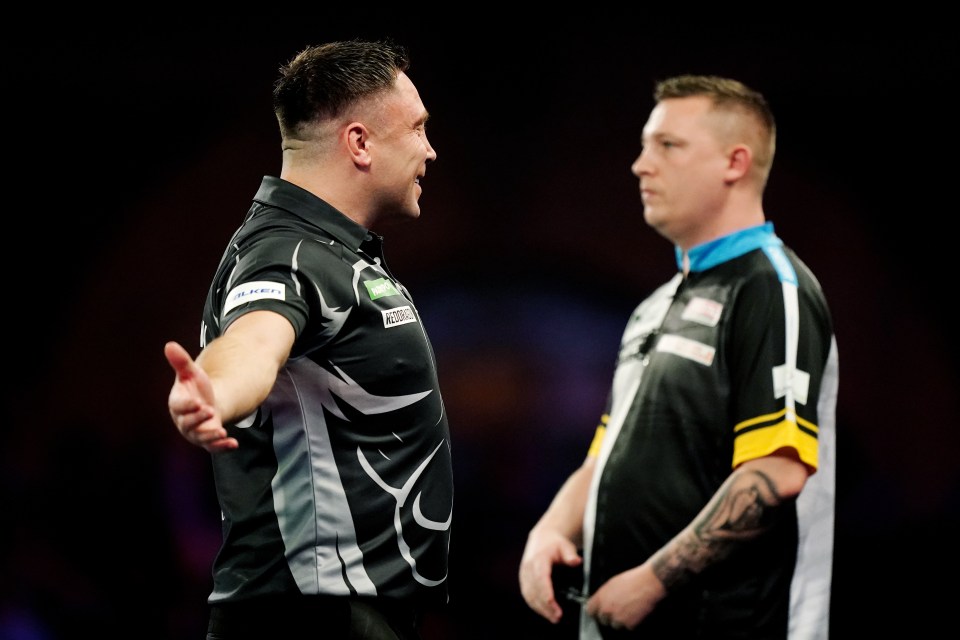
(358, 143)
(739, 161)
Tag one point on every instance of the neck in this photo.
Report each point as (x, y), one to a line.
(335, 190)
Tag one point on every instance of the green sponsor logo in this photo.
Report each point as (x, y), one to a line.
(380, 288)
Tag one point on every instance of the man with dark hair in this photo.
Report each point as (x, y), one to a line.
(316, 388)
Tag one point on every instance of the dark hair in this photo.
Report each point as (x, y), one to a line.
(729, 94)
(322, 80)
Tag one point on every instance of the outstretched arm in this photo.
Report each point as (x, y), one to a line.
(739, 511)
(555, 540)
(229, 379)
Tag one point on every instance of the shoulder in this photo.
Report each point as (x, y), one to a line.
(287, 240)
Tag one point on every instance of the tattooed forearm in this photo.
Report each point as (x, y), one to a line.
(741, 509)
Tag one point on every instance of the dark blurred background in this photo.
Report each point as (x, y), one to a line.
(133, 148)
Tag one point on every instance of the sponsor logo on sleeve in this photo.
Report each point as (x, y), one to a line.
(397, 316)
(380, 288)
(795, 380)
(250, 291)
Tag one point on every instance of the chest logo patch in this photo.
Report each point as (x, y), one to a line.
(380, 288)
(703, 311)
(397, 316)
(686, 348)
(250, 291)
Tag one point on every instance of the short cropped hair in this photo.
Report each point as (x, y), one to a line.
(321, 81)
(731, 95)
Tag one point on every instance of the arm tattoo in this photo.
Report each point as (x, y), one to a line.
(742, 509)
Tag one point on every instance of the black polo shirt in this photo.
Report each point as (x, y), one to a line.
(730, 363)
(342, 483)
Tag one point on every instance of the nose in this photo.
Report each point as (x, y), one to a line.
(638, 168)
(431, 152)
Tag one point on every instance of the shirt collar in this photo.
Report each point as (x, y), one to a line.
(710, 254)
(277, 192)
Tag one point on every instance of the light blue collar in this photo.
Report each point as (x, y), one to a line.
(710, 254)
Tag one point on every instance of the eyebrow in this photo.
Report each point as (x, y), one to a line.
(644, 137)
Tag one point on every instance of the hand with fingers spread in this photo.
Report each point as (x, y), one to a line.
(192, 404)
